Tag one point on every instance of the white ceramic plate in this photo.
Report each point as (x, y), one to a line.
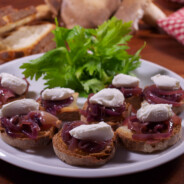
(124, 162)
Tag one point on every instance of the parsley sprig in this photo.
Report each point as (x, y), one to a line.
(85, 60)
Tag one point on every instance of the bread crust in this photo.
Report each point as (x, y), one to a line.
(43, 139)
(125, 136)
(80, 158)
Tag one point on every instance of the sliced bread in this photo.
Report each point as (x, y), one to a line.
(26, 40)
(11, 18)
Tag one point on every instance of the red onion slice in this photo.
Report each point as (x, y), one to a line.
(155, 96)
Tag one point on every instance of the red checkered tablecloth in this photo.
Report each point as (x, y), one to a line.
(174, 25)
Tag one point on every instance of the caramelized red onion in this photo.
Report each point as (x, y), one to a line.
(97, 112)
(54, 107)
(149, 131)
(89, 146)
(155, 95)
(129, 91)
(28, 125)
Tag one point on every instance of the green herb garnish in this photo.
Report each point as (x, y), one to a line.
(85, 60)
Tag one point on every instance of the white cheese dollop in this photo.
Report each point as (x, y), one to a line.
(165, 82)
(154, 112)
(18, 107)
(122, 80)
(108, 97)
(57, 93)
(100, 131)
(16, 84)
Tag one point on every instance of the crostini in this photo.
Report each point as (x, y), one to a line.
(12, 88)
(61, 102)
(107, 105)
(82, 144)
(23, 126)
(129, 86)
(165, 90)
(154, 128)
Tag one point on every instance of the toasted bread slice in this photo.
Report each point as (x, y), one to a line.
(25, 41)
(80, 158)
(43, 139)
(125, 136)
(69, 113)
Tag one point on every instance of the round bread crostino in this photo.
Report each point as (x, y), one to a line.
(12, 88)
(154, 128)
(125, 136)
(165, 90)
(107, 105)
(80, 157)
(23, 126)
(43, 139)
(113, 121)
(61, 102)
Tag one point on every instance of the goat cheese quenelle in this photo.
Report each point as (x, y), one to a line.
(154, 128)
(129, 86)
(107, 105)
(166, 90)
(61, 102)
(83, 144)
(12, 88)
(23, 126)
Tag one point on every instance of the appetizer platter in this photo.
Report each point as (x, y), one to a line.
(124, 162)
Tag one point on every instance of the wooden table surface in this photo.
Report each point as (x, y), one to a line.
(160, 49)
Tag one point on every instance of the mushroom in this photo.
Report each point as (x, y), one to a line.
(152, 14)
(87, 13)
(91, 13)
(132, 10)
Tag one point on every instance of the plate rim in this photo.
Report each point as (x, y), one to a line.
(91, 172)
